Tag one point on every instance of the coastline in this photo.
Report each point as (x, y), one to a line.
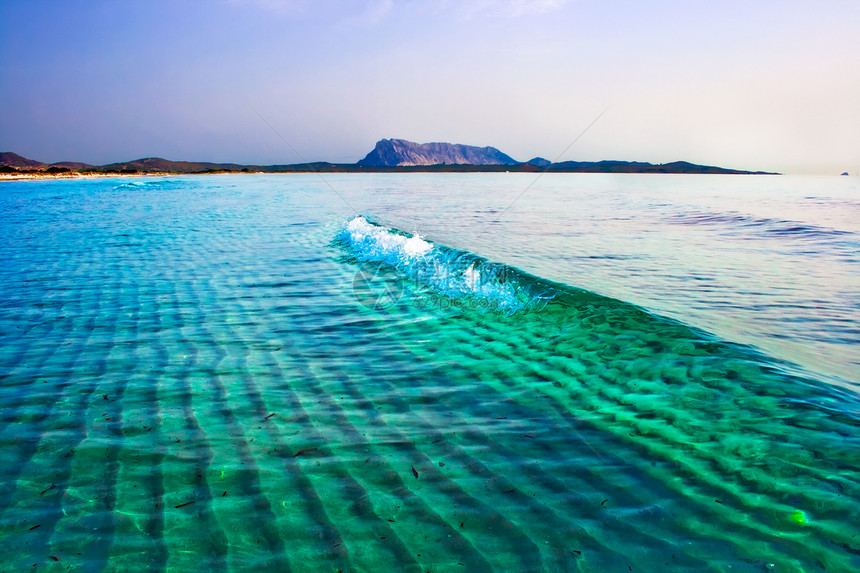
(330, 169)
(33, 176)
(14, 166)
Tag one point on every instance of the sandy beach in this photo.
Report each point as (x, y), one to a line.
(30, 176)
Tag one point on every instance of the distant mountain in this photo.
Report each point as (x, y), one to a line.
(9, 159)
(539, 162)
(389, 155)
(157, 164)
(399, 152)
(73, 165)
(642, 167)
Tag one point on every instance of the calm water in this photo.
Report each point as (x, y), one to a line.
(570, 373)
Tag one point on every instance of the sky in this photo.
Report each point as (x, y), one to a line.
(752, 84)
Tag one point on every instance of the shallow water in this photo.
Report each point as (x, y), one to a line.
(207, 373)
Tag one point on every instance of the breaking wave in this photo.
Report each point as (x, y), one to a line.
(446, 271)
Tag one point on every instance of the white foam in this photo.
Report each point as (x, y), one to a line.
(381, 244)
(444, 271)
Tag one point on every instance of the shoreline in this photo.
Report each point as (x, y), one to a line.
(53, 176)
(34, 176)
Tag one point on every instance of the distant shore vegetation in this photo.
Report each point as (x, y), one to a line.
(322, 167)
(389, 156)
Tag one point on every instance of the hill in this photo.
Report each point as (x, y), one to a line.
(641, 167)
(9, 159)
(157, 164)
(389, 155)
(399, 152)
(73, 165)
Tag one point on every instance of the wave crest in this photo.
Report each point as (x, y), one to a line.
(443, 270)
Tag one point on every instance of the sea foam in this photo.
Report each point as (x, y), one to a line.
(442, 270)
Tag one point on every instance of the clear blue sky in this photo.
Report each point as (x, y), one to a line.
(756, 84)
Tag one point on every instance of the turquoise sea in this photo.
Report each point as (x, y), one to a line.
(444, 372)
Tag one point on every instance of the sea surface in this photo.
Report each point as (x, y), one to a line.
(443, 372)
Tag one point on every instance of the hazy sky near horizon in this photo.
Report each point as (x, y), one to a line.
(766, 84)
